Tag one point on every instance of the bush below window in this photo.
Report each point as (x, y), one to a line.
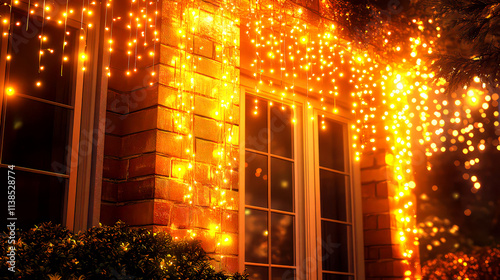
(107, 252)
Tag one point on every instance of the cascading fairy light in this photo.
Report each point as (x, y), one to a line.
(322, 56)
(109, 28)
(192, 17)
(226, 90)
(130, 43)
(155, 37)
(50, 13)
(222, 147)
(66, 11)
(184, 70)
(42, 38)
(282, 48)
(396, 99)
(402, 83)
(137, 26)
(457, 123)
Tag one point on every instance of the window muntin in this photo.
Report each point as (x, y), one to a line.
(270, 211)
(334, 199)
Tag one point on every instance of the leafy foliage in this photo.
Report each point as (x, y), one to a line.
(482, 263)
(107, 252)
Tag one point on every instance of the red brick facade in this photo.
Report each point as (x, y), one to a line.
(383, 255)
(146, 178)
(145, 149)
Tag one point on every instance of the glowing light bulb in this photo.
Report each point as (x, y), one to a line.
(10, 91)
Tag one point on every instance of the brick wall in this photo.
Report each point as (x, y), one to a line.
(171, 144)
(155, 122)
(383, 253)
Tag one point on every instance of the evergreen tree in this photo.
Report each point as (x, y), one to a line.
(470, 41)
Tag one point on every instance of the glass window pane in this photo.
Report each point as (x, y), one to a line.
(333, 195)
(256, 180)
(335, 246)
(24, 64)
(36, 135)
(256, 233)
(328, 276)
(281, 131)
(39, 198)
(331, 145)
(282, 239)
(257, 272)
(282, 274)
(256, 134)
(282, 185)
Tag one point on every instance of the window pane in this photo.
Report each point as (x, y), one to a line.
(256, 233)
(281, 185)
(256, 180)
(36, 135)
(281, 131)
(333, 198)
(282, 274)
(25, 49)
(39, 198)
(327, 276)
(256, 134)
(335, 246)
(257, 272)
(282, 239)
(331, 145)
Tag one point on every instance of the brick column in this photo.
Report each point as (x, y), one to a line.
(154, 123)
(383, 252)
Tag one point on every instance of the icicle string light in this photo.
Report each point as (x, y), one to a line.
(394, 104)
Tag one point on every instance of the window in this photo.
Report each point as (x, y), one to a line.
(334, 201)
(39, 117)
(298, 194)
(270, 195)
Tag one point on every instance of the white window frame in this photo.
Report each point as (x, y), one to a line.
(308, 249)
(81, 205)
(298, 178)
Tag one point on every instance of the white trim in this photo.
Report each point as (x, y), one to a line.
(75, 138)
(314, 269)
(308, 225)
(4, 42)
(357, 211)
(300, 190)
(298, 212)
(353, 198)
(241, 189)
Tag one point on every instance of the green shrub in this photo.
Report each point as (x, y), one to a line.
(107, 252)
(481, 263)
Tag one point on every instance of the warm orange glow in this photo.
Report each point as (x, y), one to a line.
(395, 104)
(10, 91)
